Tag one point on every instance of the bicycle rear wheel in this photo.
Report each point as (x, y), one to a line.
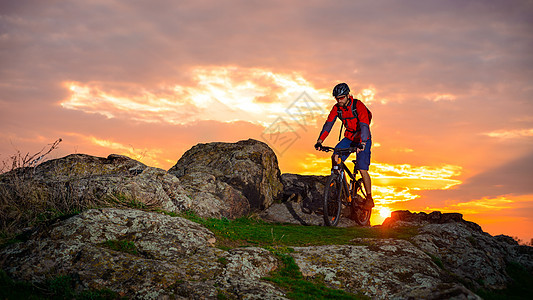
(332, 200)
(361, 215)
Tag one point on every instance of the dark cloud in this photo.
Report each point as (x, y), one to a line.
(139, 41)
(479, 51)
(503, 179)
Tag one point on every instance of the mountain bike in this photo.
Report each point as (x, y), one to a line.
(339, 193)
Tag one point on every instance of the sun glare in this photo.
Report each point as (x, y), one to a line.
(379, 214)
(384, 212)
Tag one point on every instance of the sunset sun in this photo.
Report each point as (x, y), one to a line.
(384, 212)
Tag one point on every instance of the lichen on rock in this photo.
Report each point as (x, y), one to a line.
(250, 167)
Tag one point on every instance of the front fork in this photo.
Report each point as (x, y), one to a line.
(337, 163)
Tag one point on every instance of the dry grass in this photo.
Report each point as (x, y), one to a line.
(26, 201)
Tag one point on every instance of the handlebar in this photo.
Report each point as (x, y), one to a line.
(341, 150)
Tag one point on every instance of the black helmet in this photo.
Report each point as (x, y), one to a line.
(341, 89)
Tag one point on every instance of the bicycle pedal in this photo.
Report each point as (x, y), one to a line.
(359, 200)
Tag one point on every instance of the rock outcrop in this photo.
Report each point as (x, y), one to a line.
(171, 257)
(463, 247)
(305, 189)
(148, 255)
(246, 169)
(381, 269)
(90, 180)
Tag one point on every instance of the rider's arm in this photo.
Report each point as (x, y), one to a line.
(363, 121)
(365, 132)
(329, 124)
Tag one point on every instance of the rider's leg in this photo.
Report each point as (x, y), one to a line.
(344, 143)
(367, 182)
(363, 163)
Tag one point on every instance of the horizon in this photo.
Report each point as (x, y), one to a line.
(449, 85)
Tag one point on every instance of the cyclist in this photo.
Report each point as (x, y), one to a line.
(357, 132)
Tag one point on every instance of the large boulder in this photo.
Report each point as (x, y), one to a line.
(79, 181)
(249, 167)
(213, 198)
(161, 257)
(305, 189)
(293, 212)
(463, 248)
(380, 269)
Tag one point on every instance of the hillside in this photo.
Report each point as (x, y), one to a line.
(225, 223)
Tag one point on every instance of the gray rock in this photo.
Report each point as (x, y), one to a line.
(174, 257)
(303, 202)
(80, 181)
(305, 189)
(381, 269)
(463, 248)
(293, 213)
(213, 198)
(250, 167)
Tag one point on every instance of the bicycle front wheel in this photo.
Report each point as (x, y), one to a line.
(332, 201)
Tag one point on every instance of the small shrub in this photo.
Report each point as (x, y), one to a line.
(122, 246)
(25, 201)
(436, 260)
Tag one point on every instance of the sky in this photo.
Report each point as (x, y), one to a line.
(449, 84)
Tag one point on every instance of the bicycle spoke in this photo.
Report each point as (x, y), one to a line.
(332, 201)
(361, 215)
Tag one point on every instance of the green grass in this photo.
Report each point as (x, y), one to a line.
(122, 246)
(290, 279)
(436, 260)
(61, 287)
(249, 231)
(122, 199)
(520, 288)
(279, 238)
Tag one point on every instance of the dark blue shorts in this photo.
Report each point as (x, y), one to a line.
(362, 158)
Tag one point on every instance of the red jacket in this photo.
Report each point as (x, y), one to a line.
(355, 131)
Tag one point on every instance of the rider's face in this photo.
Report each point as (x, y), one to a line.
(342, 100)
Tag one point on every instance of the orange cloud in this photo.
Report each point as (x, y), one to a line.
(391, 183)
(219, 93)
(441, 97)
(484, 205)
(151, 156)
(511, 134)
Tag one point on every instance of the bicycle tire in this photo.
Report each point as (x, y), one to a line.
(332, 201)
(361, 215)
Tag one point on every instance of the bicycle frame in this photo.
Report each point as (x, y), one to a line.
(343, 179)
